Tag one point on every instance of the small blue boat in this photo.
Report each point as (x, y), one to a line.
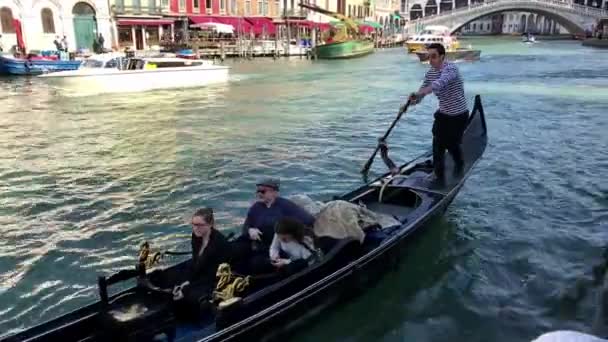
(10, 65)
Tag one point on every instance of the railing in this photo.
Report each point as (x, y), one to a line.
(139, 10)
(549, 4)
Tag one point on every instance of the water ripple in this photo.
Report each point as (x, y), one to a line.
(84, 179)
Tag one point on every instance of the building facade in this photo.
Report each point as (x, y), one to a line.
(41, 21)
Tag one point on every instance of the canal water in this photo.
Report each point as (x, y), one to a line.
(85, 179)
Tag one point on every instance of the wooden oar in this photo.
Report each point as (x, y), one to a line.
(371, 159)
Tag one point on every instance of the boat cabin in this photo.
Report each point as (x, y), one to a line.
(114, 61)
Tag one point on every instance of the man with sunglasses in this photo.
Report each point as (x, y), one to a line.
(444, 80)
(258, 229)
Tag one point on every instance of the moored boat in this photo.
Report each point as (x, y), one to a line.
(35, 65)
(346, 49)
(345, 40)
(111, 73)
(454, 55)
(259, 305)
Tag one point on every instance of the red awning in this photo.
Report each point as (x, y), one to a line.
(323, 26)
(299, 22)
(262, 25)
(365, 29)
(308, 24)
(144, 22)
(240, 24)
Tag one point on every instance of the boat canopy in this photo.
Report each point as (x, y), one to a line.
(217, 27)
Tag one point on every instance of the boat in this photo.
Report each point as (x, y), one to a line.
(114, 73)
(432, 34)
(528, 38)
(460, 54)
(35, 65)
(345, 40)
(249, 307)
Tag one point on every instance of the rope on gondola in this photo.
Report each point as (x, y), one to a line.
(385, 158)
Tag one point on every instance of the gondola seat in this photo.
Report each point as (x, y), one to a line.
(132, 314)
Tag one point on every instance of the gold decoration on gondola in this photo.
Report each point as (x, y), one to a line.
(146, 257)
(229, 286)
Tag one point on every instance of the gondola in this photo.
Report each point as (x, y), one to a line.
(262, 307)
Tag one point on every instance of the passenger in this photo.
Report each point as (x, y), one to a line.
(268, 210)
(195, 280)
(209, 247)
(258, 229)
(292, 244)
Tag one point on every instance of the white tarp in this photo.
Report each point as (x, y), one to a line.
(341, 219)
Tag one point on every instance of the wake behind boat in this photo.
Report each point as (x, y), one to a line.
(114, 73)
(252, 306)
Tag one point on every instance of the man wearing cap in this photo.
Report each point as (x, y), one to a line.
(268, 210)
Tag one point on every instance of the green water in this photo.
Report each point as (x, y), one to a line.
(84, 179)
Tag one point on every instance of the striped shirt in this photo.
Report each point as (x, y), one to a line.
(447, 85)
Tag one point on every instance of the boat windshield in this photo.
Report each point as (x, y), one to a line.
(92, 63)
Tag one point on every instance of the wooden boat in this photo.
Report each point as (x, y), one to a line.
(145, 312)
(346, 49)
(454, 55)
(38, 65)
(345, 41)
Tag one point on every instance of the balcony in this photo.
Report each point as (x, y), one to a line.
(150, 9)
(300, 13)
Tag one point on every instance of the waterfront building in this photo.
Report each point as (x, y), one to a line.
(41, 21)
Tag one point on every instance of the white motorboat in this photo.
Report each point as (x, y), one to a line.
(528, 38)
(115, 73)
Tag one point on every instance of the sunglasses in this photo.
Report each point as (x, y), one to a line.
(261, 191)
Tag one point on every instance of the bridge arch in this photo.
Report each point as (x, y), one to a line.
(565, 22)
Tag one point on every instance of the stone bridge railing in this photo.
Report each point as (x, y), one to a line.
(478, 9)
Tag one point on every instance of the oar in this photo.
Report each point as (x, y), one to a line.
(371, 159)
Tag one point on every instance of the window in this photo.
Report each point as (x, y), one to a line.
(233, 6)
(260, 6)
(164, 3)
(474, 27)
(48, 24)
(196, 4)
(265, 12)
(182, 5)
(223, 5)
(488, 27)
(247, 7)
(208, 4)
(6, 16)
(112, 64)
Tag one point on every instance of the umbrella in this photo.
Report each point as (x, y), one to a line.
(220, 28)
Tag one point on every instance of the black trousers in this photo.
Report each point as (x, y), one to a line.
(447, 135)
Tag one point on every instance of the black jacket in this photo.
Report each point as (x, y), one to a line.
(217, 252)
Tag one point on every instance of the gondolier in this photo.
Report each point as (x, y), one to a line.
(444, 80)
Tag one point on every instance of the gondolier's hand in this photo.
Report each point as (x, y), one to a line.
(413, 98)
(255, 234)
